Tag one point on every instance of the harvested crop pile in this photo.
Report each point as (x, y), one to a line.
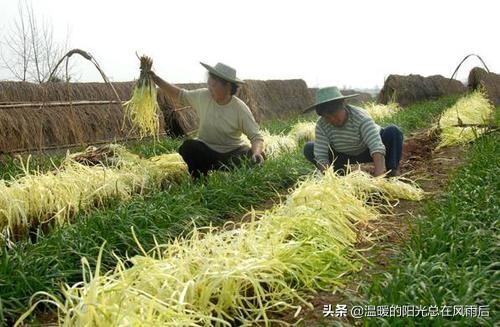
(90, 179)
(55, 197)
(303, 132)
(277, 144)
(237, 275)
(466, 120)
(380, 111)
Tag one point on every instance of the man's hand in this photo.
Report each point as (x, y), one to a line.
(379, 161)
(321, 168)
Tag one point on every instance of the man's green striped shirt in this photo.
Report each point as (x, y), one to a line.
(357, 135)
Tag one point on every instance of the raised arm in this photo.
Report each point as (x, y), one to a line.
(171, 90)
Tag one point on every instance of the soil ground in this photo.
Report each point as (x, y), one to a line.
(431, 169)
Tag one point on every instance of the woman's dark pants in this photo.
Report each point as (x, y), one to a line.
(200, 159)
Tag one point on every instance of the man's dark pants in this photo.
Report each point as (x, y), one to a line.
(392, 137)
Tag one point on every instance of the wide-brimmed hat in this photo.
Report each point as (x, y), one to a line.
(223, 71)
(327, 94)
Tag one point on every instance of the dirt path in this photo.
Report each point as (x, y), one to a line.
(431, 169)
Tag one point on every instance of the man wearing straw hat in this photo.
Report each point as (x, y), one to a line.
(347, 134)
(223, 118)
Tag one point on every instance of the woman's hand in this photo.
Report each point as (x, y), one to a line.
(257, 158)
(257, 148)
(171, 90)
(153, 76)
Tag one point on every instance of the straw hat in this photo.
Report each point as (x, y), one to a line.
(327, 94)
(224, 72)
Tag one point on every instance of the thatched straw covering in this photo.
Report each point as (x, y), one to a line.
(312, 93)
(266, 99)
(43, 125)
(29, 92)
(413, 88)
(35, 129)
(275, 98)
(360, 99)
(479, 77)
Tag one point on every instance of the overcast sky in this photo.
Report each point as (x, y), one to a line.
(351, 43)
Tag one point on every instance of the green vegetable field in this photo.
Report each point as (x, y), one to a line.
(448, 258)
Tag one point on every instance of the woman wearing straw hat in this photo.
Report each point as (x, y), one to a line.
(223, 118)
(345, 133)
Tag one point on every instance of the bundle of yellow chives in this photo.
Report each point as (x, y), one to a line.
(277, 144)
(379, 111)
(303, 132)
(237, 275)
(142, 109)
(392, 188)
(58, 196)
(55, 197)
(472, 109)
